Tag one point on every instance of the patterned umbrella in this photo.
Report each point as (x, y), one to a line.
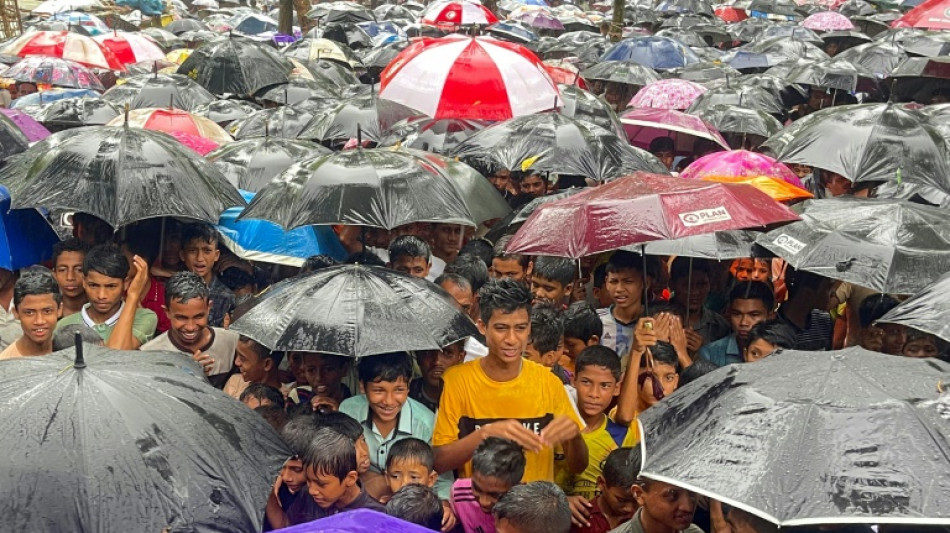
(54, 71)
(66, 45)
(668, 94)
(827, 21)
(644, 125)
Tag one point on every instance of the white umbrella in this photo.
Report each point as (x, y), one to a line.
(51, 7)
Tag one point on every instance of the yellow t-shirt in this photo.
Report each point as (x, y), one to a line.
(470, 399)
(633, 435)
(600, 442)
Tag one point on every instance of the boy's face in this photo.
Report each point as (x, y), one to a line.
(434, 363)
(500, 180)
(669, 380)
(548, 290)
(188, 320)
(885, 338)
(743, 314)
(574, 346)
(386, 398)
(619, 501)
(923, 347)
(758, 349)
(38, 314)
(698, 290)
(200, 256)
(254, 368)
(506, 334)
(752, 269)
(447, 238)
(596, 388)
(293, 475)
(294, 361)
(68, 273)
(416, 267)
(667, 504)
(625, 288)
(362, 455)
(533, 186)
(488, 490)
(326, 489)
(509, 268)
(400, 473)
(323, 373)
(104, 293)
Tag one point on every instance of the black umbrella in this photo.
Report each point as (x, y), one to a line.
(286, 122)
(835, 73)
(12, 140)
(235, 65)
(362, 187)
(787, 48)
(297, 90)
(747, 30)
(746, 96)
(195, 38)
(929, 44)
(164, 38)
(786, 8)
(704, 71)
(582, 105)
(177, 27)
(686, 36)
(225, 111)
(890, 246)
(879, 57)
(854, 8)
(716, 246)
(481, 198)
(626, 72)
(353, 311)
(806, 438)
(796, 33)
(331, 71)
(347, 120)
(379, 58)
(159, 90)
(340, 12)
(251, 164)
(423, 133)
(920, 78)
(927, 311)
(75, 112)
(114, 441)
(346, 33)
(393, 12)
(119, 174)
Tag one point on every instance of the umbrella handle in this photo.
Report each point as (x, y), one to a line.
(80, 362)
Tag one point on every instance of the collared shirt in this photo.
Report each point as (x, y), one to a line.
(220, 346)
(723, 352)
(143, 326)
(413, 420)
(634, 526)
(222, 302)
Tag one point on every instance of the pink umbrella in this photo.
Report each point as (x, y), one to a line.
(196, 143)
(668, 94)
(33, 130)
(740, 164)
(827, 21)
(644, 125)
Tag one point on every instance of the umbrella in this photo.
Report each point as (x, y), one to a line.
(879, 57)
(739, 164)
(324, 70)
(286, 122)
(797, 33)
(641, 208)
(739, 121)
(225, 111)
(363, 187)
(458, 13)
(748, 97)
(251, 164)
(54, 71)
(705, 71)
(483, 201)
(358, 521)
(199, 145)
(919, 78)
(76, 112)
(178, 55)
(787, 48)
(173, 120)
(929, 15)
(644, 125)
(835, 73)
(928, 310)
(26, 238)
(253, 23)
(827, 21)
(298, 90)
(540, 20)
(731, 14)
(353, 311)
(621, 72)
(78, 22)
(716, 246)
(380, 57)
(777, 189)
(890, 246)
(512, 31)
(340, 12)
(804, 438)
(653, 52)
(667, 94)
(313, 49)
(583, 105)
(439, 136)
(260, 240)
(873, 143)
(12, 139)
(689, 37)
(27, 125)
(347, 120)
(165, 39)
(393, 12)
(146, 433)
(41, 98)
(131, 47)
(929, 43)
(118, 174)
(66, 45)
(159, 90)
(235, 65)
(854, 8)
(177, 27)
(470, 78)
(51, 7)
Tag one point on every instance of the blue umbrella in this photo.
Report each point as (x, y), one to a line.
(261, 240)
(652, 51)
(51, 95)
(25, 236)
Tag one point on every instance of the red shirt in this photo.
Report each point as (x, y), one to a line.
(153, 301)
(598, 522)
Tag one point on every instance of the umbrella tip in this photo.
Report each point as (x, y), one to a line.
(80, 362)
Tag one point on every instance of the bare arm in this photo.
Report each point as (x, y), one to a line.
(627, 401)
(122, 337)
(455, 454)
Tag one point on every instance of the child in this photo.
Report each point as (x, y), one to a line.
(504, 265)
(68, 257)
(920, 344)
(427, 389)
(257, 365)
(539, 506)
(614, 503)
(37, 303)
(199, 253)
(332, 478)
(767, 337)
(410, 255)
(412, 461)
(625, 282)
(582, 328)
(324, 373)
(552, 280)
(598, 287)
(497, 465)
(417, 504)
(546, 342)
(259, 394)
(750, 302)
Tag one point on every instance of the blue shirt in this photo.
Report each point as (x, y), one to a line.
(723, 352)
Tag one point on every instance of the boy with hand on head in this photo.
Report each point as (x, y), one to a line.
(582, 328)
(552, 280)
(750, 302)
(614, 503)
(625, 282)
(411, 461)
(410, 255)
(37, 303)
(68, 257)
(539, 506)
(497, 465)
(199, 253)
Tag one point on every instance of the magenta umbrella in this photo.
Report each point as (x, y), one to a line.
(668, 94)
(33, 130)
(200, 145)
(740, 164)
(645, 124)
(540, 20)
(827, 21)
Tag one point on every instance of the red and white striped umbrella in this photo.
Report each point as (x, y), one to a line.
(458, 13)
(67, 45)
(131, 47)
(471, 78)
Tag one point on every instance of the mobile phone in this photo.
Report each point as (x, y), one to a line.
(648, 324)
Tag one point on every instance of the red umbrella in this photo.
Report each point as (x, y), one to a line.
(931, 15)
(565, 76)
(131, 47)
(67, 45)
(731, 14)
(640, 208)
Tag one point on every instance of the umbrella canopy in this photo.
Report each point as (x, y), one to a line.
(314, 49)
(177, 27)
(118, 174)
(76, 112)
(235, 65)
(749, 97)
(26, 238)
(358, 521)
(353, 311)
(539, 19)
(653, 52)
(716, 246)
(146, 433)
(297, 90)
(458, 13)
(642, 208)
(644, 125)
(803, 438)
(739, 164)
(159, 90)
(778, 190)
(340, 12)
(931, 15)
(626, 72)
(879, 57)
(348, 120)
(66, 45)
(827, 21)
(583, 105)
(481, 198)
(469, 78)
(835, 73)
(12, 139)
(54, 71)
(668, 94)
(927, 311)
(51, 7)
(705, 71)
(131, 47)
(439, 136)
(225, 111)
(286, 122)
(733, 119)
(173, 120)
(200, 145)
(33, 130)
(251, 164)
(165, 39)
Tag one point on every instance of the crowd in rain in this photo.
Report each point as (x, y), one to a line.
(518, 267)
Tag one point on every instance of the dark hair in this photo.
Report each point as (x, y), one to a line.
(274, 415)
(624, 260)
(263, 392)
(498, 252)
(365, 257)
(582, 322)
(65, 337)
(299, 432)
(412, 450)
(34, 283)
(559, 269)
(330, 453)
(662, 144)
(698, 369)
(598, 356)
(106, 259)
(201, 231)
(681, 266)
(535, 506)
(505, 295)
(774, 332)
(416, 504)
(470, 268)
(408, 246)
(101, 231)
(663, 354)
(670, 308)
(235, 278)
(342, 423)
(499, 458)
(261, 350)
(71, 244)
(621, 467)
(185, 286)
(141, 242)
(317, 262)
(455, 279)
(796, 280)
(874, 307)
(547, 328)
(753, 290)
(480, 248)
(385, 367)
(599, 277)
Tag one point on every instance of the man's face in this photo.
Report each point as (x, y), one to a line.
(103, 292)
(25, 88)
(488, 490)
(323, 373)
(68, 273)
(386, 398)
(253, 367)
(417, 267)
(625, 287)
(447, 238)
(743, 314)
(464, 298)
(667, 504)
(508, 268)
(325, 489)
(507, 334)
(669, 380)
(758, 349)
(293, 475)
(400, 473)
(619, 501)
(200, 256)
(500, 180)
(696, 292)
(548, 290)
(596, 388)
(38, 314)
(666, 157)
(923, 347)
(820, 99)
(188, 320)
(434, 363)
(533, 186)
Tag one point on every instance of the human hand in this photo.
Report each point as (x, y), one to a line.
(325, 402)
(513, 430)
(580, 510)
(139, 281)
(644, 335)
(562, 428)
(448, 517)
(717, 519)
(662, 324)
(205, 360)
(694, 341)
(677, 335)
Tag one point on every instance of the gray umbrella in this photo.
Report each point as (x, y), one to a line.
(927, 311)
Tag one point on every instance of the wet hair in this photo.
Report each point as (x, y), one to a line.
(599, 278)
(71, 244)
(470, 268)
(753, 290)
(582, 322)
(185, 286)
(263, 392)
(330, 453)
(35, 283)
(412, 450)
(662, 144)
(874, 307)
(365, 257)
(385, 367)
(505, 295)
(535, 506)
(774, 332)
(274, 415)
(598, 356)
(342, 423)
(235, 278)
(102, 232)
(498, 252)
(499, 458)
(663, 354)
(199, 231)
(698, 369)
(621, 467)
(261, 350)
(455, 279)
(140, 242)
(668, 307)
(624, 260)
(65, 337)
(106, 259)
(547, 328)
(408, 246)
(418, 505)
(480, 248)
(300, 430)
(680, 267)
(559, 269)
(317, 262)
(796, 280)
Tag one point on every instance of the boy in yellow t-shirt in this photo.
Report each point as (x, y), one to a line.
(503, 395)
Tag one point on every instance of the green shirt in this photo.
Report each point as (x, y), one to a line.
(143, 327)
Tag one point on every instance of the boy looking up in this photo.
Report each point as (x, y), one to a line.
(199, 253)
(625, 282)
(497, 465)
(750, 302)
(36, 304)
(68, 256)
(663, 508)
(410, 255)
(552, 280)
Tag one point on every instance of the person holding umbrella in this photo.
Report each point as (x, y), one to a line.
(36, 304)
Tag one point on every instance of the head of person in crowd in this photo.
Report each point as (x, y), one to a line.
(434, 363)
(535, 506)
(504, 265)
(348, 426)
(330, 466)
(385, 380)
(24, 88)
(478, 247)
(619, 474)
(410, 461)
(497, 466)
(626, 282)
(698, 369)
(766, 338)
(68, 256)
(446, 241)
(324, 373)
(259, 394)
(834, 184)
(659, 380)
(501, 180)
(91, 229)
(187, 306)
(199, 249)
(417, 504)
(597, 380)
(238, 281)
(879, 337)
(750, 302)
(534, 185)
(37, 303)
(664, 149)
(410, 255)
(690, 282)
(257, 363)
(918, 344)
(664, 507)
(505, 321)
(546, 342)
(599, 290)
(105, 279)
(582, 328)
(471, 268)
(274, 415)
(461, 291)
(317, 262)
(752, 269)
(65, 337)
(552, 279)
(813, 291)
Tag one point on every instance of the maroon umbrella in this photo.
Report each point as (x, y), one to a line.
(640, 208)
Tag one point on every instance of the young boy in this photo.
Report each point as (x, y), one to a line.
(625, 282)
(663, 508)
(410, 255)
(36, 305)
(324, 375)
(497, 465)
(535, 507)
(412, 461)
(767, 337)
(614, 503)
(546, 343)
(417, 504)
(582, 328)
(332, 478)
(750, 302)
(552, 280)
(199, 253)
(68, 257)
(427, 389)
(690, 281)
(257, 365)
(504, 265)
